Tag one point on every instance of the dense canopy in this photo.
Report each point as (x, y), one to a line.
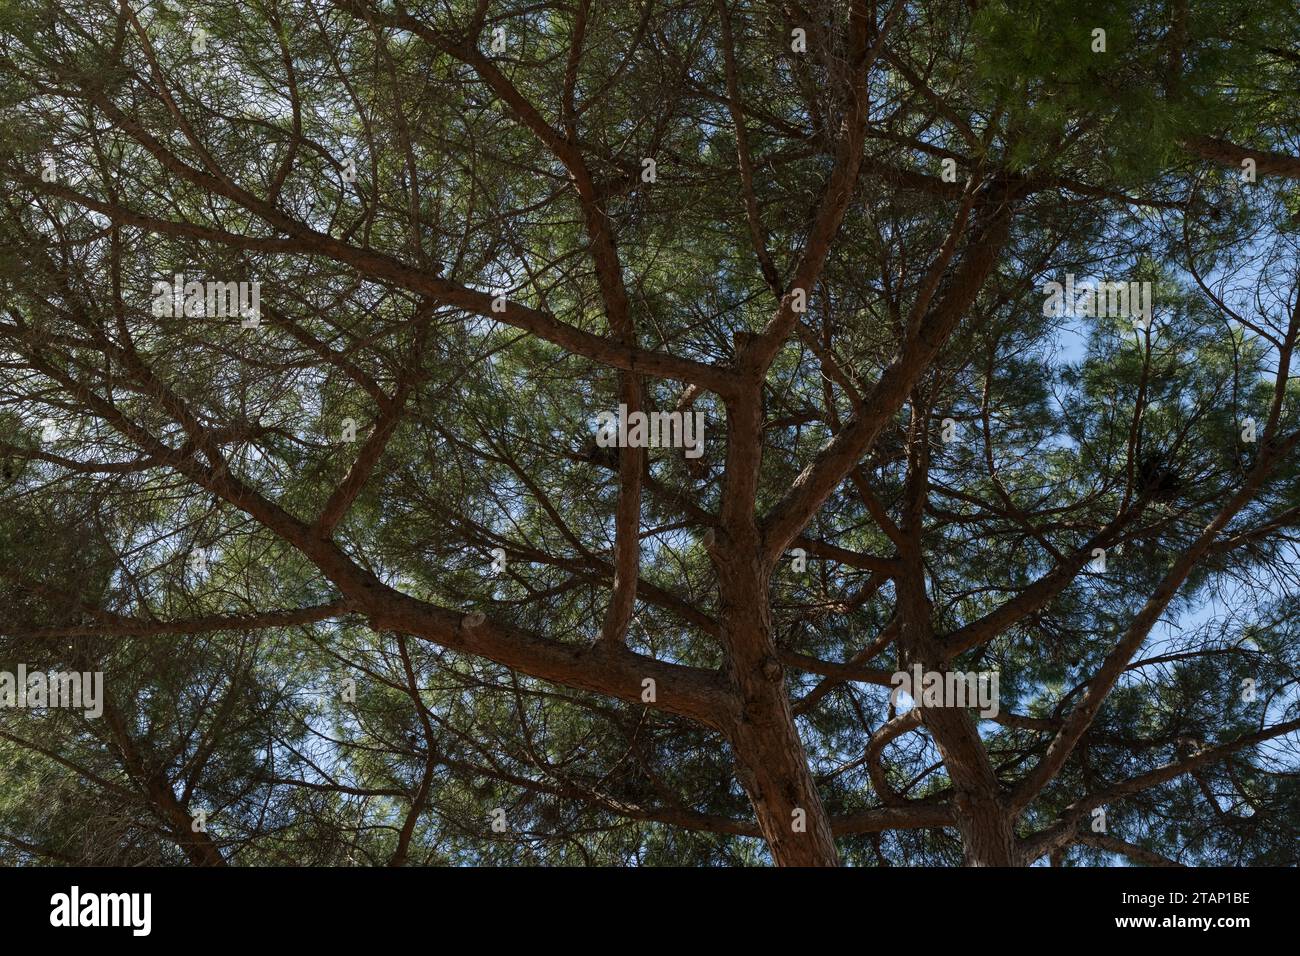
(313, 317)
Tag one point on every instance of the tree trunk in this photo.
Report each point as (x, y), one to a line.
(773, 768)
(986, 823)
(984, 819)
(771, 761)
(988, 836)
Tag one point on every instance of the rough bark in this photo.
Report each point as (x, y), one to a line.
(771, 761)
